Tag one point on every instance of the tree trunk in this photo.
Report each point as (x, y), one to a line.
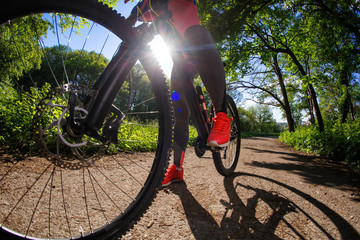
(345, 105)
(311, 111)
(286, 105)
(316, 108)
(313, 98)
(288, 51)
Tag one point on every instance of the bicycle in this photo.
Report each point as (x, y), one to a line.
(74, 125)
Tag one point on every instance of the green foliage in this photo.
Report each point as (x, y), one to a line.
(19, 47)
(339, 141)
(16, 123)
(138, 136)
(192, 136)
(16, 115)
(258, 119)
(141, 93)
(317, 44)
(111, 3)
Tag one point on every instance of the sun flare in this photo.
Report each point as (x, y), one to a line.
(162, 54)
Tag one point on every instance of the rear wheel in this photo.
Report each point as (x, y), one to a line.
(226, 159)
(80, 187)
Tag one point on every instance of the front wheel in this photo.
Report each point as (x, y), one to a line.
(63, 184)
(226, 159)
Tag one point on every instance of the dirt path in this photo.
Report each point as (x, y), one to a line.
(275, 193)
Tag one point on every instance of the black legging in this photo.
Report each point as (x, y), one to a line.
(201, 47)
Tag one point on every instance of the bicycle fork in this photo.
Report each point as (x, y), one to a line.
(105, 91)
(111, 80)
(108, 85)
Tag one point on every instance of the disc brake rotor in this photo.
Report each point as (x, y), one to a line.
(53, 136)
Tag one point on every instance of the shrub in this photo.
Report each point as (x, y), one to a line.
(16, 115)
(339, 141)
(138, 136)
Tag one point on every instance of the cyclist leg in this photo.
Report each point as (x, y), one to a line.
(182, 114)
(180, 71)
(202, 49)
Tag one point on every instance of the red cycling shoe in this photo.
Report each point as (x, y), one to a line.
(173, 174)
(220, 132)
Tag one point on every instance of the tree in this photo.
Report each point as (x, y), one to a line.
(265, 119)
(261, 40)
(258, 118)
(334, 30)
(82, 68)
(316, 43)
(17, 38)
(279, 31)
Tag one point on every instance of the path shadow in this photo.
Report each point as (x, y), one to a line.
(313, 170)
(240, 219)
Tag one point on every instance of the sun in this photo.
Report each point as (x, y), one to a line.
(162, 54)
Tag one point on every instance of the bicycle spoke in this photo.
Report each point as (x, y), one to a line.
(139, 113)
(42, 46)
(103, 46)
(15, 44)
(115, 185)
(55, 23)
(144, 101)
(64, 202)
(97, 197)
(10, 169)
(82, 50)
(40, 197)
(69, 38)
(85, 200)
(50, 193)
(106, 193)
(26, 192)
(140, 184)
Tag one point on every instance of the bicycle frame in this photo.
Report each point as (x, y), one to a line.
(111, 80)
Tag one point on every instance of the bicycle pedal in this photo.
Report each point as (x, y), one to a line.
(216, 149)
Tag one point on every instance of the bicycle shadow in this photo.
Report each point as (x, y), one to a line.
(240, 219)
(312, 170)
